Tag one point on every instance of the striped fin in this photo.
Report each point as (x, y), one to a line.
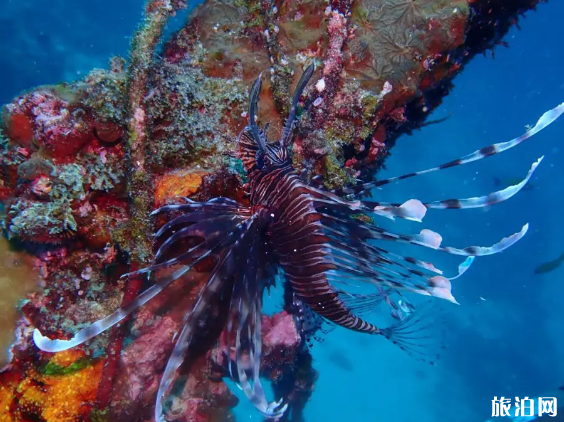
(48, 345)
(204, 206)
(200, 251)
(428, 238)
(193, 217)
(102, 325)
(245, 317)
(503, 244)
(174, 361)
(213, 287)
(462, 268)
(246, 301)
(365, 270)
(484, 201)
(475, 202)
(413, 209)
(204, 229)
(546, 119)
(355, 260)
(249, 331)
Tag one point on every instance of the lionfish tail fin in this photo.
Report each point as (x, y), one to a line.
(415, 334)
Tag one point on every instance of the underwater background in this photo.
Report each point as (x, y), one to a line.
(505, 338)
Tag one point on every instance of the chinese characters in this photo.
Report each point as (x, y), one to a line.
(524, 407)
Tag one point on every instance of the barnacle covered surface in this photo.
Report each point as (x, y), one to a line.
(83, 164)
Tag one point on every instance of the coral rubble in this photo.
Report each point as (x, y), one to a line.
(84, 164)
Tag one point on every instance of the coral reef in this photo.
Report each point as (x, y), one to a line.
(84, 164)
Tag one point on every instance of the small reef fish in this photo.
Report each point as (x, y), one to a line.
(549, 266)
(313, 239)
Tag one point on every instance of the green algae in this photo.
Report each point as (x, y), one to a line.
(29, 219)
(53, 369)
(104, 175)
(66, 184)
(35, 219)
(197, 109)
(105, 93)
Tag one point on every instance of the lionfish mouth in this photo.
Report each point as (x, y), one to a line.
(311, 237)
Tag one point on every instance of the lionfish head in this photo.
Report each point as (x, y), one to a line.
(270, 156)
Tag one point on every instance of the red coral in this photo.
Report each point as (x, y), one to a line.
(46, 120)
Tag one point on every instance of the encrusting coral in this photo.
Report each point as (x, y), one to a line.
(84, 164)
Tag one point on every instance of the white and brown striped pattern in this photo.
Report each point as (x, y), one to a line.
(545, 120)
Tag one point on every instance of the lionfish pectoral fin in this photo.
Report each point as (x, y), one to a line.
(48, 345)
(206, 249)
(415, 210)
(500, 246)
(413, 335)
(219, 204)
(211, 290)
(462, 268)
(245, 259)
(490, 199)
(174, 362)
(545, 120)
(433, 240)
(249, 333)
(193, 217)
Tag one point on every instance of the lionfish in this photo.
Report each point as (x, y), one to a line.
(315, 239)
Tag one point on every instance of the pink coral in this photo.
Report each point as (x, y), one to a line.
(141, 363)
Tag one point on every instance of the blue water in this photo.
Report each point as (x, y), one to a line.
(505, 338)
